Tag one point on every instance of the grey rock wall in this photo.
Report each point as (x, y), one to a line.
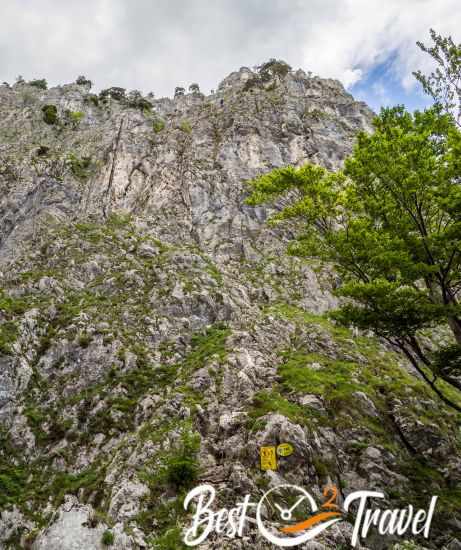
(148, 315)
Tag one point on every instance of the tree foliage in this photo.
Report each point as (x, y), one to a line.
(273, 68)
(270, 70)
(443, 84)
(50, 114)
(115, 92)
(83, 81)
(137, 101)
(390, 224)
(39, 83)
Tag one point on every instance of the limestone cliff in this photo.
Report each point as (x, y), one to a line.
(154, 334)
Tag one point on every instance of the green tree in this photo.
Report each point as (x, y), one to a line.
(50, 114)
(115, 92)
(137, 101)
(273, 68)
(41, 83)
(194, 88)
(83, 81)
(390, 224)
(443, 84)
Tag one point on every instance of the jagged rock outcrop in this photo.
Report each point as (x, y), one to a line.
(154, 334)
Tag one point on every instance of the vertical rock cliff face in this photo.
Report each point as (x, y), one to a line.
(187, 175)
(154, 334)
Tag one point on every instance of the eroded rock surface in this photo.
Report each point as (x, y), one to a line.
(154, 334)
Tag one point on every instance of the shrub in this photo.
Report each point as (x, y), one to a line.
(50, 114)
(87, 482)
(10, 304)
(170, 540)
(144, 105)
(116, 93)
(185, 126)
(158, 125)
(8, 335)
(76, 117)
(84, 340)
(320, 467)
(83, 81)
(42, 151)
(181, 469)
(42, 84)
(92, 98)
(80, 167)
(108, 538)
(136, 101)
(13, 480)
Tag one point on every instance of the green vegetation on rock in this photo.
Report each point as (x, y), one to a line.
(41, 83)
(158, 125)
(385, 229)
(108, 538)
(50, 114)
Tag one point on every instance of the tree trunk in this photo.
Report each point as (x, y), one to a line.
(431, 383)
(455, 325)
(413, 342)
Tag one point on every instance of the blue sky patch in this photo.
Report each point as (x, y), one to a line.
(381, 87)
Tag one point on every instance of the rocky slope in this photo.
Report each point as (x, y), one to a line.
(154, 334)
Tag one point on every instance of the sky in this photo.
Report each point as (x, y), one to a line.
(156, 45)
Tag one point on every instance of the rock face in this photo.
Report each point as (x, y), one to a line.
(154, 334)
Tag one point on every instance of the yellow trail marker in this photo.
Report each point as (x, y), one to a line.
(268, 458)
(285, 449)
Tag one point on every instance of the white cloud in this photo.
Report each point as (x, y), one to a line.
(381, 93)
(349, 77)
(156, 45)
(366, 32)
